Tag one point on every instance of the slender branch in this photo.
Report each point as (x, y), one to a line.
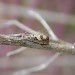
(37, 68)
(20, 25)
(15, 51)
(44, 23)
(23, 40)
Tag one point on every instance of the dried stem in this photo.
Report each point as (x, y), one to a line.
(21, 40)
(37, 68)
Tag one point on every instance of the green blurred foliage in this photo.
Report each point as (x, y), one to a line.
(73, 11)
(70, 29)
(21, 18)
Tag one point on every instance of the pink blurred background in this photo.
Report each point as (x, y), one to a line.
(64, 65)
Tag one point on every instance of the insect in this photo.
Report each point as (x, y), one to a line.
(40, 39)
(35, 38)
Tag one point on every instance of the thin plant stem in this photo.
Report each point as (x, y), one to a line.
(22, 40)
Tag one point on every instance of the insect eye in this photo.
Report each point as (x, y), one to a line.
(41, 36)
(28, 37)
(35, 38)
(47, 38)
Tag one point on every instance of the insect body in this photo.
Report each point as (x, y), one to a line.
(35, 38)
(39, 39)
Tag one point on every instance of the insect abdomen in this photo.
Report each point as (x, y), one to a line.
(40, 39)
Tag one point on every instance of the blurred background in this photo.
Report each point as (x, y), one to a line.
(59, 14)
